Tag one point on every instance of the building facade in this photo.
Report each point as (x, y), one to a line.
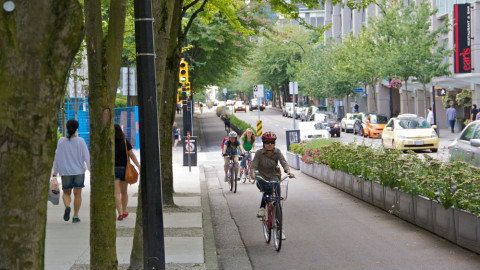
(415, 99)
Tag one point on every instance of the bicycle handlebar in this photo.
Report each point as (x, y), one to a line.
(281, 180)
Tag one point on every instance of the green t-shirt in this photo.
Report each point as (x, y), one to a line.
(247, 145)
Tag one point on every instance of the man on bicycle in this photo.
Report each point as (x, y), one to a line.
(265, 162)
(231, 147)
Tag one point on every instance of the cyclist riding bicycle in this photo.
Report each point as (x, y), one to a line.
(265, 162)
(247, 144)
(231, 147)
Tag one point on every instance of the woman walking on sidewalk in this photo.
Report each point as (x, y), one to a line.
(121, 146)
(71, 161)
(176, 135)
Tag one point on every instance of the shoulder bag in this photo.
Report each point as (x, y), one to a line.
(131, 174)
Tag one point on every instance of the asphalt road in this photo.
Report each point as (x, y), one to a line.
(325, 227)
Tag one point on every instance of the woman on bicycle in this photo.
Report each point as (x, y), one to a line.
(265, 162)
(247, 144)
(231, 147)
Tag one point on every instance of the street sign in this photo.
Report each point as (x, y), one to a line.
(268, 95)
(441, 91)
(258, 90)
(293, 88)
(358, 90)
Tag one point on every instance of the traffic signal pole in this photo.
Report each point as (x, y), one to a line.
(150, 170)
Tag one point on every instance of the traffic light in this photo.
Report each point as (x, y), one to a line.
(183, 74)
(188, 90)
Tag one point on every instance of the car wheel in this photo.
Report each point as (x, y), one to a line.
(434, 150)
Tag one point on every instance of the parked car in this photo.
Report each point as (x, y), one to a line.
(329, 119)
(298, 112)
(348, 121)
(254, 105)
(373, 125)
(311, 110)
(410, 132)
(263, 106)
(240, 106)
(358, 126)
(288, 109)
(221, 103)
(467, 146)
(312, 130)
(230, 102)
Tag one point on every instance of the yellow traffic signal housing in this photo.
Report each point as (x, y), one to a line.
(187, 86)
(183, 74)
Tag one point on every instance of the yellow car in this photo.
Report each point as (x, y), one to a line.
(410, 132)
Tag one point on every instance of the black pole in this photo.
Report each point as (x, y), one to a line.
(150, 181)
(390, 99)
(435, 111)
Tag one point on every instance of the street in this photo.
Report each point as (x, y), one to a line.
(325, 227)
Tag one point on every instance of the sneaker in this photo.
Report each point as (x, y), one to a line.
(75, 219)
(120, 217)
(261, 212)
(66, 215)
(125, 215)
(225, 179)
(283, 236)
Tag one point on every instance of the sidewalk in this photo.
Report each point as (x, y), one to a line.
(189, 239)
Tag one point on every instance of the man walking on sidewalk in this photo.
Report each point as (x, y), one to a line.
(451, 114)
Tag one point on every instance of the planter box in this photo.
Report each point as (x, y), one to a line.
(326, 171)
(306, 168)
(293, 160)
(443, 221)
(348, 183)
(367, 191)
(467, 230)
(317, 171)
(340, 180)
(331, 178)
(357, 187)
(391, 199)
(423, 212)
(378, 195)
(406, 210)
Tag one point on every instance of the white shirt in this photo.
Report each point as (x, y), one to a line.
(72, 157)
(430, 118)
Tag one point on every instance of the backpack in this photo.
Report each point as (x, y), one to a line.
(223, 142)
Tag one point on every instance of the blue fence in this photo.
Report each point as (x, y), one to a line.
(126, 117)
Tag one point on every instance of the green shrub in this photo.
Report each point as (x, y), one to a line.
(242, 126)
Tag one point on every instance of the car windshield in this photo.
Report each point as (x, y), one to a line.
(378, 119)
(413, 123)
(239, 103)
(353, 117)
(320, 126)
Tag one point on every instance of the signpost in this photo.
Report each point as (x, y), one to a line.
(293, 90)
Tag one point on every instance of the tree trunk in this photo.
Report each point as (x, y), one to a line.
(104, 57)
(38, 42)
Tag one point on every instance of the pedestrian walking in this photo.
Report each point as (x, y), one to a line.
(430, 119)
(451, 114)
(355, 107)
(122, 145)
(473, 115)
(227, 123)
(179, 107)
(201, 108)
(175, 135)
(71, 160)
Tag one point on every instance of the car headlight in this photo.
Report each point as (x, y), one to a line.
(434, 134)
(401, 137)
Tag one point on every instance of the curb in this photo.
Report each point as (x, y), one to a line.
(209, 246)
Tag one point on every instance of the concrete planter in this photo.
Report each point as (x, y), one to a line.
(423, 212)
(357, 187)
(467, 230)
(340, 180)
(443, 221)
(348, 183)
(367, 191)
(331, 178)
(390, 199)
(317, 171)
(406, 210)
(325, 174)
(378, 195)
(306, 168)
(293, 160)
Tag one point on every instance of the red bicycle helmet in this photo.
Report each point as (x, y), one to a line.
(269, 136)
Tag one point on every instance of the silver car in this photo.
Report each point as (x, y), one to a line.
(467, 146)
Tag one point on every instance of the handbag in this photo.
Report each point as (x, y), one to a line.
(131, 174)
(54, 191)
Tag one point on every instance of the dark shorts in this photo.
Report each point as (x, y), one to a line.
(120, 173)
(73, 181)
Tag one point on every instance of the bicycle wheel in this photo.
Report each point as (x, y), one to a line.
(267, 232)
(244, 175)
(230, 178)
(277, 226)
(235, 181)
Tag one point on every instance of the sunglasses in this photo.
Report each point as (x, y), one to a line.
(269, 142)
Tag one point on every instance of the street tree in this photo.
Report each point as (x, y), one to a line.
(104, 42)
(38, 41)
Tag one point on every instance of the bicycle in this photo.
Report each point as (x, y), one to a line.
(232, 173)
(246, 174)
(273, 218)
